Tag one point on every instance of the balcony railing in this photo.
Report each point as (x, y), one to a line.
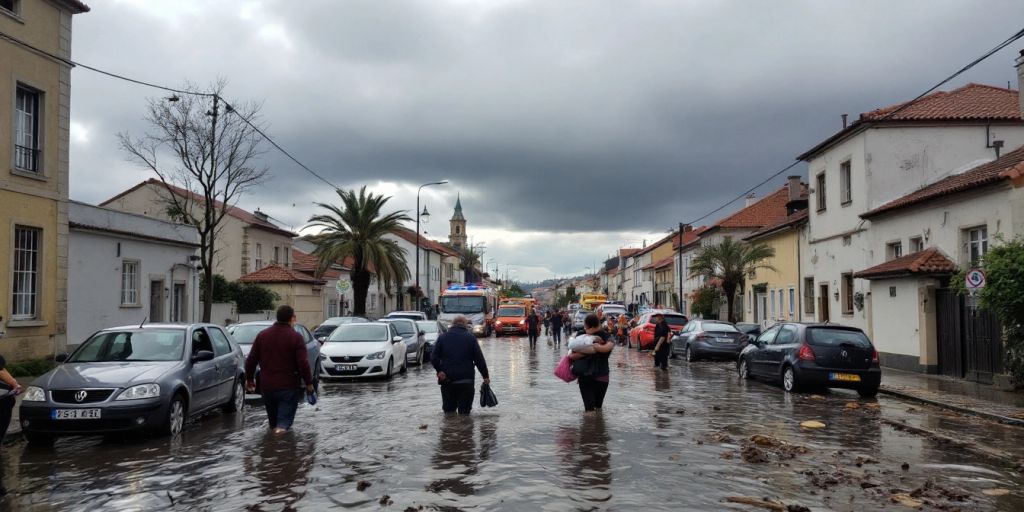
(26, 158)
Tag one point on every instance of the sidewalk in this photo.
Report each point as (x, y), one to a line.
(959, 395)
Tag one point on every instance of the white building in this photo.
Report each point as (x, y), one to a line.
(883, 156)
(125, 268)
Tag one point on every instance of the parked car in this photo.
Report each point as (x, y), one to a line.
(813, 355)
(414, 338)
(708, 338)
(432, 329)
(324, 330)
(749, 330)
(642, 335)
(609, 309)
(363, 350)
(408, 315)
(245, 334)
(150, 377)
(577, 320)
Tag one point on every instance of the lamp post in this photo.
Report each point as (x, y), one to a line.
(426, 214)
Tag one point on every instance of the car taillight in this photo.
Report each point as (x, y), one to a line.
(701, 335)
(874, 357)
(805, 354)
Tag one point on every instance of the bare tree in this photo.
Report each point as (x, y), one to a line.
(206, 160)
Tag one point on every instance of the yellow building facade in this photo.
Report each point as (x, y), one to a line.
(774, 296)
(36, 92)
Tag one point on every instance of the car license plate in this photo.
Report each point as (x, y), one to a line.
(844, 377)
(75, 414)
(345, 367)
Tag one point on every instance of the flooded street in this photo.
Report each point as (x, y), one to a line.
(665, 440)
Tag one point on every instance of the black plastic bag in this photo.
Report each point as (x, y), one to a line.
(487, 398)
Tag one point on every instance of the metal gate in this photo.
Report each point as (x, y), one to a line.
(970, 339)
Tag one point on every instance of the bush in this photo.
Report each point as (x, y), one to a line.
(1003, 295)
(31, 368)
(253, 298)
(223, 290)
(704, 300)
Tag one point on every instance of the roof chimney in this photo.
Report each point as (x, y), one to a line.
(751, 199)
(261, 216)
(796, 201)
(794, 188)
(1020, 81)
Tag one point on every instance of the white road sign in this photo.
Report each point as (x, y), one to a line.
(975, 279)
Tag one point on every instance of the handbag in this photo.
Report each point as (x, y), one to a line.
(564, 369)
(487, 398)
(583, 367)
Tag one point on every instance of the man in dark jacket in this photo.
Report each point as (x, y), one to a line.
(533, 328)
(280, 352)
(662, 341)
(556, 326)
(455, 354)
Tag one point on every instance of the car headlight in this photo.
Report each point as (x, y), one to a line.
(139, 392)
(34, 394)
(376, 355)
(521, 322)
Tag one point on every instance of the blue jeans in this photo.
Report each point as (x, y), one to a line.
(281, 406)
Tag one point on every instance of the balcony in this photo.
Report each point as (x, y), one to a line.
(26, 159)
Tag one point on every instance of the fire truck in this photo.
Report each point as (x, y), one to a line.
(473, 301)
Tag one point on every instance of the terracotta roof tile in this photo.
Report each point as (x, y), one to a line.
(625, 253)
(927, 262)
(409, 235)
(795, 219)
(970, 102)
(234, 211)
(768, 211)
(1008, 166)
(662, 263)
(278, 274)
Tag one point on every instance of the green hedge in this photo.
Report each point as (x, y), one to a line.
(32, 367)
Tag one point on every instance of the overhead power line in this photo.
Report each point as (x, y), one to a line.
(230, 109)
(1019, 34)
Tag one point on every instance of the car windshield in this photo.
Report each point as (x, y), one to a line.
(359, 332)
(613, 311)
(675, 320)
(427, 326)
(406, 316)
(404, 328)
(136, 345)
(716, 327)
(830, 337)
(324, 330)
(246, 334)
(462, 304)
(511, 311)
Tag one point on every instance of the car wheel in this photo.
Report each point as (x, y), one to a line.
(789, 382)
(867, 392)
(688, 355)
(391, 365)
(175, 422)
(38, 438)
(405, 367)
(744, 370)
(237, 400)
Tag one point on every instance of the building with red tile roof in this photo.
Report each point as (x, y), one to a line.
(296, 289)
(929, 262)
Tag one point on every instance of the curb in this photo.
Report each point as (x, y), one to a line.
(1017, 422)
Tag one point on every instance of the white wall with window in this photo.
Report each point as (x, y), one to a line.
(125, 268)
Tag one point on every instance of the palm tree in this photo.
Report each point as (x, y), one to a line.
(356, 229)
(469, 263)
(731, 262)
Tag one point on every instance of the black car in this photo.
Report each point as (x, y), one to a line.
(324, 330)
(708, 338)
(813, 356)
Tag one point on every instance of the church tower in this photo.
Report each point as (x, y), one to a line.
(457, 236)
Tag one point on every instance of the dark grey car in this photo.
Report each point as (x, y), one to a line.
(149, 377)
(245, 334)
(708, 338)
(415, 342)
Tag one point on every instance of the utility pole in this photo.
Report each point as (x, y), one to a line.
(680, 267)
(210, 212)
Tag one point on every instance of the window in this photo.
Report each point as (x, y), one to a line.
(25, 291)
(787, 335)
(220, 342)
(766, 337)
(772, 295)
(26, 129)
(129, 283)
(809, 295)
(845, 196)
(819, 190)
(10, 5)
(848, 294)
(977, 244)
(782, 307)
(277, 255)
(332, 308)
(893, 250)
(792, 301)
(373, 302)
(287, 257)
(916, 244)
(259, 256)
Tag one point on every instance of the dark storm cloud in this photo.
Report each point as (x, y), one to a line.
(549, 116)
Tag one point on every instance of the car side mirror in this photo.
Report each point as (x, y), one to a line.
(202, 355)
(396, 339)
(60, 358)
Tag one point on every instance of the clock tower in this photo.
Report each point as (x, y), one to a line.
(457, 236)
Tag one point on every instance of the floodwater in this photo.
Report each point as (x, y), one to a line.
(664, 441)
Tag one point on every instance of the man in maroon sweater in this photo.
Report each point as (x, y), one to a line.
(280, 352)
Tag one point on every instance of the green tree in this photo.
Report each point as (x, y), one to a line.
(1003, 295)
(357, 229)
(514, 291)
(253, 298)
(731, 262)
(704, 301)
(469, 263)
(223, 290)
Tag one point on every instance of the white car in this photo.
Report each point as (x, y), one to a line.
(408, 315)
(363, 350)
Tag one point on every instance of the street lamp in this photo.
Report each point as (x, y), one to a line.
(418, 216)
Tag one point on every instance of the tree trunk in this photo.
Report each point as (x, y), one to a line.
(360, 286)
(206, 256)
(730, 300)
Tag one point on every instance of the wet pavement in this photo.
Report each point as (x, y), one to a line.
(695, 437)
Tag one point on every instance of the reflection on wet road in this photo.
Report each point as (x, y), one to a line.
(665, 441)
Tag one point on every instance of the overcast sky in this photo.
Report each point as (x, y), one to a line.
(571, 128)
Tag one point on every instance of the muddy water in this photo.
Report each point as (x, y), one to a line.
(665, 440)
